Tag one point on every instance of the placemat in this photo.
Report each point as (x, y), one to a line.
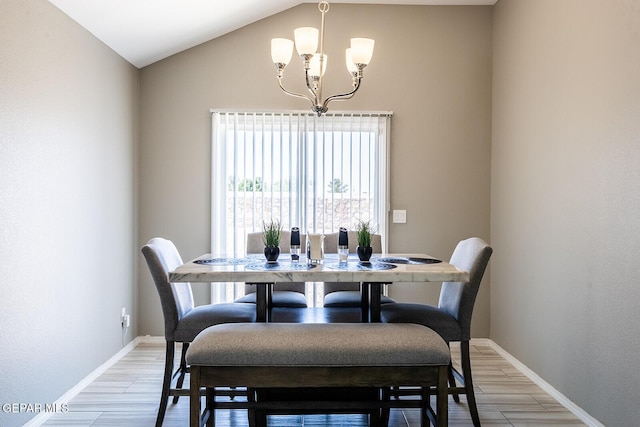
(280, 266)
(224, 261)
(409, 260)
(360, 266)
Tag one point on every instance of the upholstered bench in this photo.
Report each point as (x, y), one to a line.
(317, 356)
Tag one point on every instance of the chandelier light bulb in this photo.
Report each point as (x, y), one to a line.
(314, 65)
(362, 50)
(351, 66)
(306, 40)
(281, 51)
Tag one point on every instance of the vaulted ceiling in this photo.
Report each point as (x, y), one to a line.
(146, 31)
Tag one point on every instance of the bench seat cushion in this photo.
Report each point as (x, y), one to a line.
(336, 344)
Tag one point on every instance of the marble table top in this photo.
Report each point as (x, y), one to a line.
(254, 269)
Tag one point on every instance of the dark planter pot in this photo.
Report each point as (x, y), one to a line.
(364, 253)
(271, 253)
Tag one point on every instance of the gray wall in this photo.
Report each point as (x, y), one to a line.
(565, 220)
(68, 112)
(431, 67)
(563, 195)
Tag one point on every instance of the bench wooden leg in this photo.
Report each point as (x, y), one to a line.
(194, 397)
(256, 417)
(260, 418)
(442, 397)
(385, 396)
(426, 414)
(210, 415)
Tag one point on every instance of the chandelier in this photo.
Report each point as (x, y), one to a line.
(357, 57)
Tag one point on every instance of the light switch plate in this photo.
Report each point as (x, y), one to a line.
(399, 216)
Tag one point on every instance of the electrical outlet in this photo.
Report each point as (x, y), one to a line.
(124, 318)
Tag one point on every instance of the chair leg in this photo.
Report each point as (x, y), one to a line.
(452, 384)
(182, 370)
(468, 382)
(452, 380)
(166, 382)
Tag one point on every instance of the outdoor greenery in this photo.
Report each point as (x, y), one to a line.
(272, 231)
(337, 186)
(248, 184)
(256, 185)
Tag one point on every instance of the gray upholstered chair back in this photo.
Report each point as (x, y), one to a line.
(331, 247)
(331, 243)
(255, 245)
(176, 298)
(458, 298)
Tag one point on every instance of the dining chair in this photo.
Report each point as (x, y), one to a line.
(182, 319)
(285, 294)
(347, 294)
(452, 317)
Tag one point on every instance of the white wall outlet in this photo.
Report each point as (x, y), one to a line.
(125, 319)
(399, 216)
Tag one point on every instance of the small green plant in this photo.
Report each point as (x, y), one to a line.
(272, 231)
(364, 232)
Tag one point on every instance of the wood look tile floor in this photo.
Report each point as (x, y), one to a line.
(127, 394)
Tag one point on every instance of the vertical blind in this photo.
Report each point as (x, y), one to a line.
(316, 173)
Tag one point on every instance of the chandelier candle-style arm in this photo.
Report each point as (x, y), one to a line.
(281, 51)
(297, 95)
(306, 42)
(342, 96)
(356, 73)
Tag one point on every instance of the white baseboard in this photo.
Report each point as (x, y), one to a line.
(148, 339)
(548, 388)
(73, 392)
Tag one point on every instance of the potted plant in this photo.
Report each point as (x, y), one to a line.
(363, 233)
(271, 237)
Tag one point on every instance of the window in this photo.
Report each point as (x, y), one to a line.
(316, 173)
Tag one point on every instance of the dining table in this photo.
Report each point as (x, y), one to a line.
(380, 270)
